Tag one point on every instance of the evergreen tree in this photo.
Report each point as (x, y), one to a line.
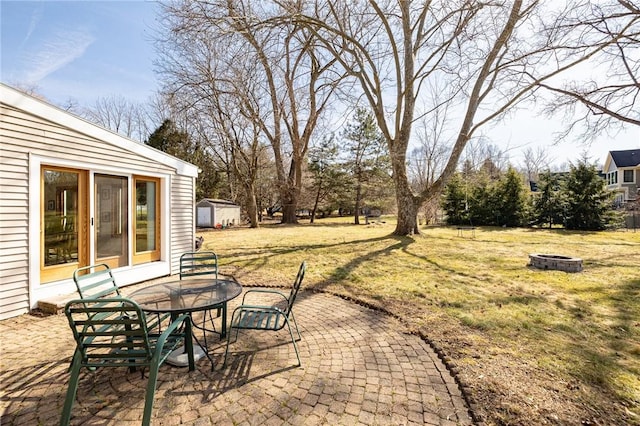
(588, 201)
(482, 202)
(327, 176)
(548, 202)
(454, 201)
(368, 161)
(171, 140)
(509, 199)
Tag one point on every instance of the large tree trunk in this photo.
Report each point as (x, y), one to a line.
(289, 206)
(408, 206)
(290, 191)
(252, 208)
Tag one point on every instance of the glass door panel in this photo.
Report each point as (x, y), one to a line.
(147, 220)
(63, 222)
(111, 220)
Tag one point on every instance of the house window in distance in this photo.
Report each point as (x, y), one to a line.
(627, 177)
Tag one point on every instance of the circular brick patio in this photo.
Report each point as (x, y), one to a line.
(359, 366)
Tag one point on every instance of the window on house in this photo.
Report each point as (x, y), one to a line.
(627, 176)
(147, 219)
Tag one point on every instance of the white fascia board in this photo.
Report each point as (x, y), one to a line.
(19, 100)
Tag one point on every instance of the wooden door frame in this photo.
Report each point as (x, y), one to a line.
(63, 271)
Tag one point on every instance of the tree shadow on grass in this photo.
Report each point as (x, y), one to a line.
(613, 365)
(258, 258)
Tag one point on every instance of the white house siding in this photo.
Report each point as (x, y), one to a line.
(14, 223)
(31, 135)
(182, 218)
(24, 136)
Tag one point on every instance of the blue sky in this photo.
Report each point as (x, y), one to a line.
(85, 50)
(79, 49)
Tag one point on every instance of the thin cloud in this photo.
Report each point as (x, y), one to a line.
(36, 16)
(62, 48)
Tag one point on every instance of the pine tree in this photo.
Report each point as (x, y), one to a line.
(509, 199)
(548, 204)
(454, 201)
(171, 140)
(588, 200)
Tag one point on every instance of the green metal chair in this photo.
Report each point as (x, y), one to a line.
(95, 281)
(112, 332)
(202, 264)
(268, 318)
(198, 263)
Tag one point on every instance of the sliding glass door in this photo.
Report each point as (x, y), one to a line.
(111, 220)
(123, 229)
(64, 217)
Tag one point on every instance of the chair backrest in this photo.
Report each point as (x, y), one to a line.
(109, 332)
(198, 263)
(296, 286)
(95, 281)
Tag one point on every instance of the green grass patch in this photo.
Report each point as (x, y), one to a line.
(474, 296)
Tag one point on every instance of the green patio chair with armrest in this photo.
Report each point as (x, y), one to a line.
(202, 264)
(268, 318)
(96, 281)
(112, 332)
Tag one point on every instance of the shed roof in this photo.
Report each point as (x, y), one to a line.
(218, 201)
(626, 158)
(19, 100)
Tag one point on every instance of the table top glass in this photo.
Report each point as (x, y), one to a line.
(188, 295)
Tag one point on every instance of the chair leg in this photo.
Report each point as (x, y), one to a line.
(293, 317)
(151, 390)
(71, 391)
(293, 340)
(226, 351)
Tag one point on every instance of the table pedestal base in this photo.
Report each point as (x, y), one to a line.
(179, 358)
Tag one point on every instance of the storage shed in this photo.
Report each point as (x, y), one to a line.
(75, 194)
(212, 213)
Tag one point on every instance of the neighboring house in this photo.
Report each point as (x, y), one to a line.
(74, 194)
(211, 212)
(622, 174)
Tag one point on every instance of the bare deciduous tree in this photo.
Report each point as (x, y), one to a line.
(285, 85)
(120, 115)
(535, 162)
(490, 55)
(605, 95)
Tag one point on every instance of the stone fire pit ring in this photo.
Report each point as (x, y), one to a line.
(555, 261)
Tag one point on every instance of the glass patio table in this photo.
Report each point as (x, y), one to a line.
(188, 296)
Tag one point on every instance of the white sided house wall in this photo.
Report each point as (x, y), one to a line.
(34, 134)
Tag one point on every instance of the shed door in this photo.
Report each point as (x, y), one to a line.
(204, 217)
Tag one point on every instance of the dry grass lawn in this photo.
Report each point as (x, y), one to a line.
(532, 346)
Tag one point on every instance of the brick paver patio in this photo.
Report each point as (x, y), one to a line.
(359, 366)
